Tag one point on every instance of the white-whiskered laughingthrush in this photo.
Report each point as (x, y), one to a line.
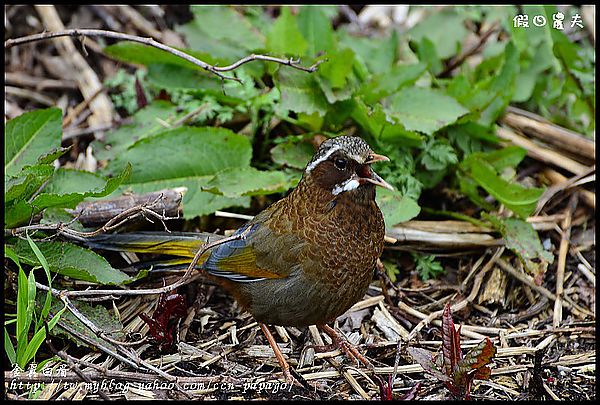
(305, 259)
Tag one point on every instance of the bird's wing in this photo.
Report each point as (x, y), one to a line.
(261, 254)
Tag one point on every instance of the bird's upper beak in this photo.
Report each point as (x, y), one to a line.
(374, 157)
(369, 174)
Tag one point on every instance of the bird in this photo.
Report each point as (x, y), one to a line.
(305, 259)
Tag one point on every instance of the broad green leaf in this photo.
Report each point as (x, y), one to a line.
(520, 200)
(292, 154)
(300, 92)
(382, 126)
(445, 29)
(316, 30)
(377, 54)
(184, 152)
(222, 32)
(395, 207)
(186, 157)
(26, 182)
(73, 261)
(424, 110)
(172, 77)
(68, 189)
(337, 67)
(148, 121)
(30, 135)
(247, 182)
(195, 202)
(428, 54)
(284, 37)
(383, 85)
(133, 52)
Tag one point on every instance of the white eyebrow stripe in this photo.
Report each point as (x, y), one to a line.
(350, 184)
(321, 159)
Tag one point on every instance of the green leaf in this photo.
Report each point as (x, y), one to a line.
(382, 126)
(445, 29)
(146, 122)
(395, 207)
(22, 328)
(383, 85)
(140, 54)
(337, 67)
(30, 135)
(247, 182)
(26, 182)
(72, 261)
(522, 239)
(98, 314)
(520, 200)
(42, 260)
(377, 54)
(172, 77)
(438, 155)
(425, 110)
(427, 266)
(300, 93)
(285, 37)
(186, 157)
(428, 54)
(206, 33)
(315, 27)
(292, 154)
(9, 348)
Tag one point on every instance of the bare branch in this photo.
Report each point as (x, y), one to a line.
(9, 43)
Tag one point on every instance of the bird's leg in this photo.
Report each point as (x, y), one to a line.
(285, 367)
(339, 342)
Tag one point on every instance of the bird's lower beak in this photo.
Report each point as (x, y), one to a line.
(378, 181)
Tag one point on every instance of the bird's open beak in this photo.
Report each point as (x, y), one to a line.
(370, 176)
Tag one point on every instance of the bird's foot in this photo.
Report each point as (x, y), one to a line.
(285, 367)
(340, 342)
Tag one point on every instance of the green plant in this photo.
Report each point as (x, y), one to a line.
(427, 266)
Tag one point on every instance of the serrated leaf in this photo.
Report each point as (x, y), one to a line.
(337, 67)
(395, 207)
(425, 359)
(30, 135)
(424, 110)
(285, 37)
(72, 261)
(247, 182)
(27, 182)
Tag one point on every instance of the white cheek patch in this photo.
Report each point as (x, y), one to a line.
(350, 184)
(323, 158)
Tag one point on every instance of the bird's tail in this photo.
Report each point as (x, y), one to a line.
(180, 244)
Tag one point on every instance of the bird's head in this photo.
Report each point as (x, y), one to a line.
(342, 166)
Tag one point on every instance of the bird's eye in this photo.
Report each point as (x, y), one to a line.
(340, 163)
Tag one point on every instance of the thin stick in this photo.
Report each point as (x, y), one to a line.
(562, 260)
(9, 43)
